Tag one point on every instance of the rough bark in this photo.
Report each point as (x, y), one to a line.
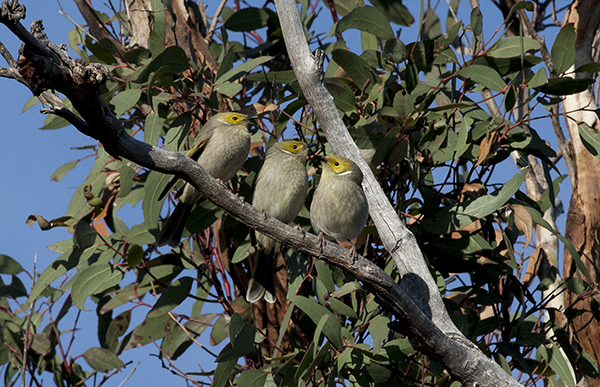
(583, 217)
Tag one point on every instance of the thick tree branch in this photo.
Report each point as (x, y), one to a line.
(47, 69)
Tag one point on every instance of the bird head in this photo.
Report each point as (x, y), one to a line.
(293, 147)
(339, 166)
(234, 118)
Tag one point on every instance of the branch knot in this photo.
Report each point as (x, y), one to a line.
(12, 11)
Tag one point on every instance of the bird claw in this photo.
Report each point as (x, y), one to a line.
(321, 241)
(222, 183)
(299, 228)
(353, 253)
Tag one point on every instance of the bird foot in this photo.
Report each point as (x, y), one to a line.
(321, 240)
(353, 253)
(299, 228)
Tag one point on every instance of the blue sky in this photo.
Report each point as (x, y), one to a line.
(29, 156)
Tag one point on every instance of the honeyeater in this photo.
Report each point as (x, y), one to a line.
(280, 190)
(221, 148)
(339, 208)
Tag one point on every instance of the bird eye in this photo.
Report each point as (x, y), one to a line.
(336, 164)
(294, 146)
(235, 118)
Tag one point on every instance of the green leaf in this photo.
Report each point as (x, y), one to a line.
(591, 68)
(242, 69)
(177, 341)
(252, 378)
(59, 267)
(378, 327)
(153, 128)
(241, 252)
(219, 331)
(172, 296)
(342, 93)
(178, 132)
(539, 79)
(117, 328)
(31, 102)
(140, 235)
(174, 57)
(229, 89)
(565, 86)
(485, 76)
(15, 290)
(88, 280)
(404, 104)
(62, 171)
(461, 143)
(575, 285)
(528, 5)
(476, 21)
(247, 19)
(399, 52)
(53, 121)
(558, 363)
(41, 343)
(9, 265)
(590, 139)
(78, 206)
(151, 329)
(512, 46)
(224, 371)
(394, 11)
(134, 255)
(84, 236)
(125, 100)
(163, 272)
(203, 216)
(563, 49)
(332, 328)
(367, 19)
(455, 217)
(150, 205)
(356, 67)
(284, 77)
(126, 175)
(102, 360)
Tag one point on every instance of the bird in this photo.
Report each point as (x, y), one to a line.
(280, 190)
(339, 208)
(221, 148)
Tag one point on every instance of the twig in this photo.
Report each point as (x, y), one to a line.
(213, 23)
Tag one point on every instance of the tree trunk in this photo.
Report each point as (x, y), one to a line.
(583, 218)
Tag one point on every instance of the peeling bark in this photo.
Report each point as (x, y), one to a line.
(583, 217)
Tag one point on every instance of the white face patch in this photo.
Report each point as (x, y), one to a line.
(344, 173)
(285, 151)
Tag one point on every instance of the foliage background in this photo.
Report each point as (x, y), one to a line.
(26, 174)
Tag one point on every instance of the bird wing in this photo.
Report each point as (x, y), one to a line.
(194, 153)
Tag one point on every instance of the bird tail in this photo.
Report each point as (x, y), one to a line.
(173, 229)
(262, 284)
